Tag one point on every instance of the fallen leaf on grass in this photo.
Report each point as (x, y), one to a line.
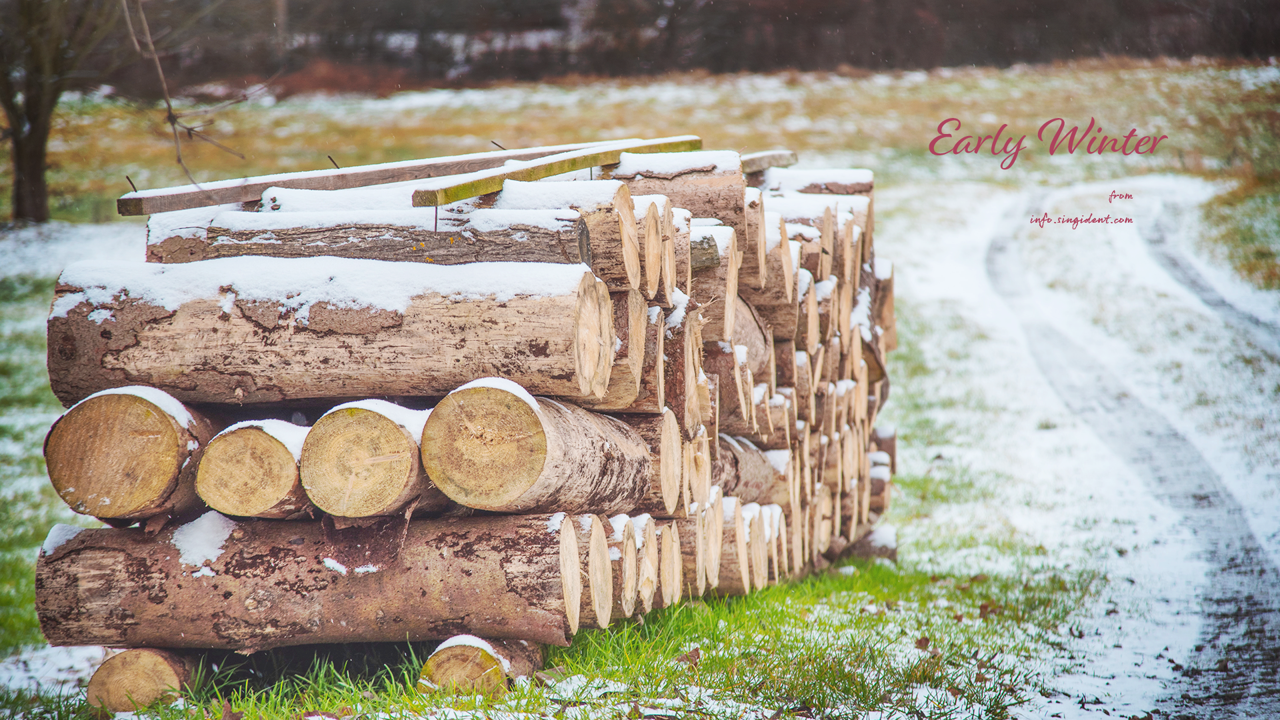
(923, 643)
(693, 657)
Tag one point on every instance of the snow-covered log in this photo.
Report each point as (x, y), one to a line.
(468, 665)
(252, 330)
(707, 183)
(248, 586)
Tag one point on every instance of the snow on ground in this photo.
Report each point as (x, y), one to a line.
(1100, 287)
(62, 669)
(44, 250)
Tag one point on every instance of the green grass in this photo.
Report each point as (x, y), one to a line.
(1247, 230)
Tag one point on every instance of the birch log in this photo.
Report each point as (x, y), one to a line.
(489, 445)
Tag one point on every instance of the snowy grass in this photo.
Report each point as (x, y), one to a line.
(1247, 222)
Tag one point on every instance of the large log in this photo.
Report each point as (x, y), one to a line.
(716, 289)
(252, 330)
(650, 378)
(408, 235)
(661, 434)
(626, 375)
(466, 664)
(137, 678)
(251, 470)
(490, 445)
(127, 454)
(361, 459)
(250, 586)
(607, 212)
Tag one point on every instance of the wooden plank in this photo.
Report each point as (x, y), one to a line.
(760, 161)
(184, 197)
(447, 190)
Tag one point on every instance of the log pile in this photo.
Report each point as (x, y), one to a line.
(490, 408)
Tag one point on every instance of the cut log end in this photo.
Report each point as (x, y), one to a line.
(484, 447)
(115, 456)
(465, 668)
(249, 473)
(359, 463)
(570, 574)
(137, 678)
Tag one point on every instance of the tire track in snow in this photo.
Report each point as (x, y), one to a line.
(1235, 670)
(1156, 235)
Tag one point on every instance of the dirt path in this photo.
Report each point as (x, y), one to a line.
(1234, 670)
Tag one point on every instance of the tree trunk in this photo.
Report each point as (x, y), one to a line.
(128, 454)
(485, 235)
(137, 678)
(228, 347)
(273, 584)
(30, 189)
(490, 447)
(250, 470)
(468, 665)
(693, 551)
(362, 460)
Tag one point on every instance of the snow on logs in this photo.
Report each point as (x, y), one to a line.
(490, 445)
(128, 453)
(470, 665)
(607, 212)
(249, 586)
(252, 330)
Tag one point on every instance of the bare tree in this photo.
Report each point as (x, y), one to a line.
(44, 46)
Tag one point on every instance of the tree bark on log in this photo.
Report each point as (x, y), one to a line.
(225, 347)
(608, 213)
(492, 447)
(411, 235)
(468, 665)
(712, 190)
(248, 471)
(139, 677)
(754, 478)
(661, 434)
(122, 455)
(362, 459)
(272, 584)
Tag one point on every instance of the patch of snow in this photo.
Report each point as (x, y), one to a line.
(201, 540)
(163, 401)
(505, 385)
(58, 535)
(290, 435)
(582, 195)
(413, 421)
(554, 522)
(669, 165)
(334, 565)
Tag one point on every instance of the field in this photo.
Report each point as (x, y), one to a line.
(1016, 533)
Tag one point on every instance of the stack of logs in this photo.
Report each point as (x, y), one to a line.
(543, 395)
